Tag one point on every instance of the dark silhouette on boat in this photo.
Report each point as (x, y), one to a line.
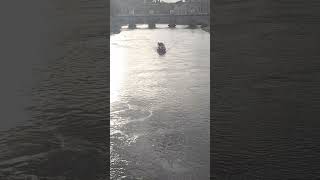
(161, 48)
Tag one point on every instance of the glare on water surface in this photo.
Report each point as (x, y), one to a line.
(159, 104)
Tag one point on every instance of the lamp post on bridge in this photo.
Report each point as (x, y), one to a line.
(132, 23)
(151, 20)
(172, 20)
(192, 23)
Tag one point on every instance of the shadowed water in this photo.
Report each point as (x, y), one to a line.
(160, 104)
(266, 90)
(61, 94)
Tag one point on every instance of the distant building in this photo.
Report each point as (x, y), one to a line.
(192, 7)
(158, 7)
(125, 7)
(180, 8)
(205, 6)
(152, 1)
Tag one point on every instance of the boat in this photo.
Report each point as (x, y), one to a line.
(161, 48)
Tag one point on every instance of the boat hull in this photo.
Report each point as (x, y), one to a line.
(161, 51)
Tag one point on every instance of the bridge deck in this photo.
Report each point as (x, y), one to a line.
(162, 15)
(187, 19)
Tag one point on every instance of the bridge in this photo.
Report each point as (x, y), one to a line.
(152, 19)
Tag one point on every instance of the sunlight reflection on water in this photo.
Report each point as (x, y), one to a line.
(160, 104)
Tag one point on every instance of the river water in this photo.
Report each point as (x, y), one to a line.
(55, 99)
(160, 106)
(266, 90)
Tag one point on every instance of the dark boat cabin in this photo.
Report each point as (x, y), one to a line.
(161, 48)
